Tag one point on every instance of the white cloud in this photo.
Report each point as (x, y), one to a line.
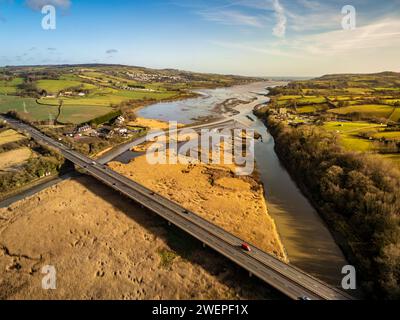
(231, 17)
(280, 27)
(39, 4)
(381, 34)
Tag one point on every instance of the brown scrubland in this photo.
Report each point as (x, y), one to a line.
(104, 247)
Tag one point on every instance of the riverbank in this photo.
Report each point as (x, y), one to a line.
(361, 225)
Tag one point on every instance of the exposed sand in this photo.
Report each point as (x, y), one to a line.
(104, 247)
(150, 123)
(234, 203)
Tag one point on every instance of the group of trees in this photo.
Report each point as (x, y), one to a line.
(28, 89)
(34, 169)
(48, 162)
(358, 194)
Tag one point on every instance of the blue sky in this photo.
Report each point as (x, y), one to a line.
(249, 37)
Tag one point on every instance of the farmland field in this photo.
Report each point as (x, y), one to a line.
(395, 115)
(300, 100)
(9, 136)
(81, 114)
(379, 111)
(388, 135)
(10, 87)
(69, 114)
(347, 127)
(353, 143)
(348, 134)
(14, 157)
(55, 86)
(312, 108)
(285, 98)
(27, 106)
(113, 97)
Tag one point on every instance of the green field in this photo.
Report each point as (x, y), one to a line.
(371, 110)
(353, 143)
(70, 113)
(351, 127)
(312, 108)
(10, 87)
(302, 101)
(286, 98)
(388, 135)
(109, 97)
(395, 115)
(349, 131)
(55, 86)
(81, 114)
(361, 91)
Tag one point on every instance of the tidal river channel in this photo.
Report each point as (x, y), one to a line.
(308, 243)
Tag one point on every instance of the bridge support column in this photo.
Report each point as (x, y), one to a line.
(204, 245)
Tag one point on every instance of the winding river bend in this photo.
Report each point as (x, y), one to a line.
(308, 243)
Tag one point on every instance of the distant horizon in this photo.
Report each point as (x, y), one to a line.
(265, 77)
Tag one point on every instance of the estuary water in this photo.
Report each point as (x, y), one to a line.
(308, 242)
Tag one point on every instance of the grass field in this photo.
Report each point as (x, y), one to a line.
(300, 100)
(312, 108)
(349, 134)
(395, 115)
(306, 109)
(10, 87)
(351, 127)
(55, 86)
(388, 135)
(9, 136)
(354, 143)
(15, 157)
(286, 98)
(70, 113)
(370, 110)
(311, 100)
(81, 114)
(27, 106)
(361, 91)
(111, 97)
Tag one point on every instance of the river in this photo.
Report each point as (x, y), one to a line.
(309, 244)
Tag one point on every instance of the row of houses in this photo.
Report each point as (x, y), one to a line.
(63, 94)
(105, 131)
